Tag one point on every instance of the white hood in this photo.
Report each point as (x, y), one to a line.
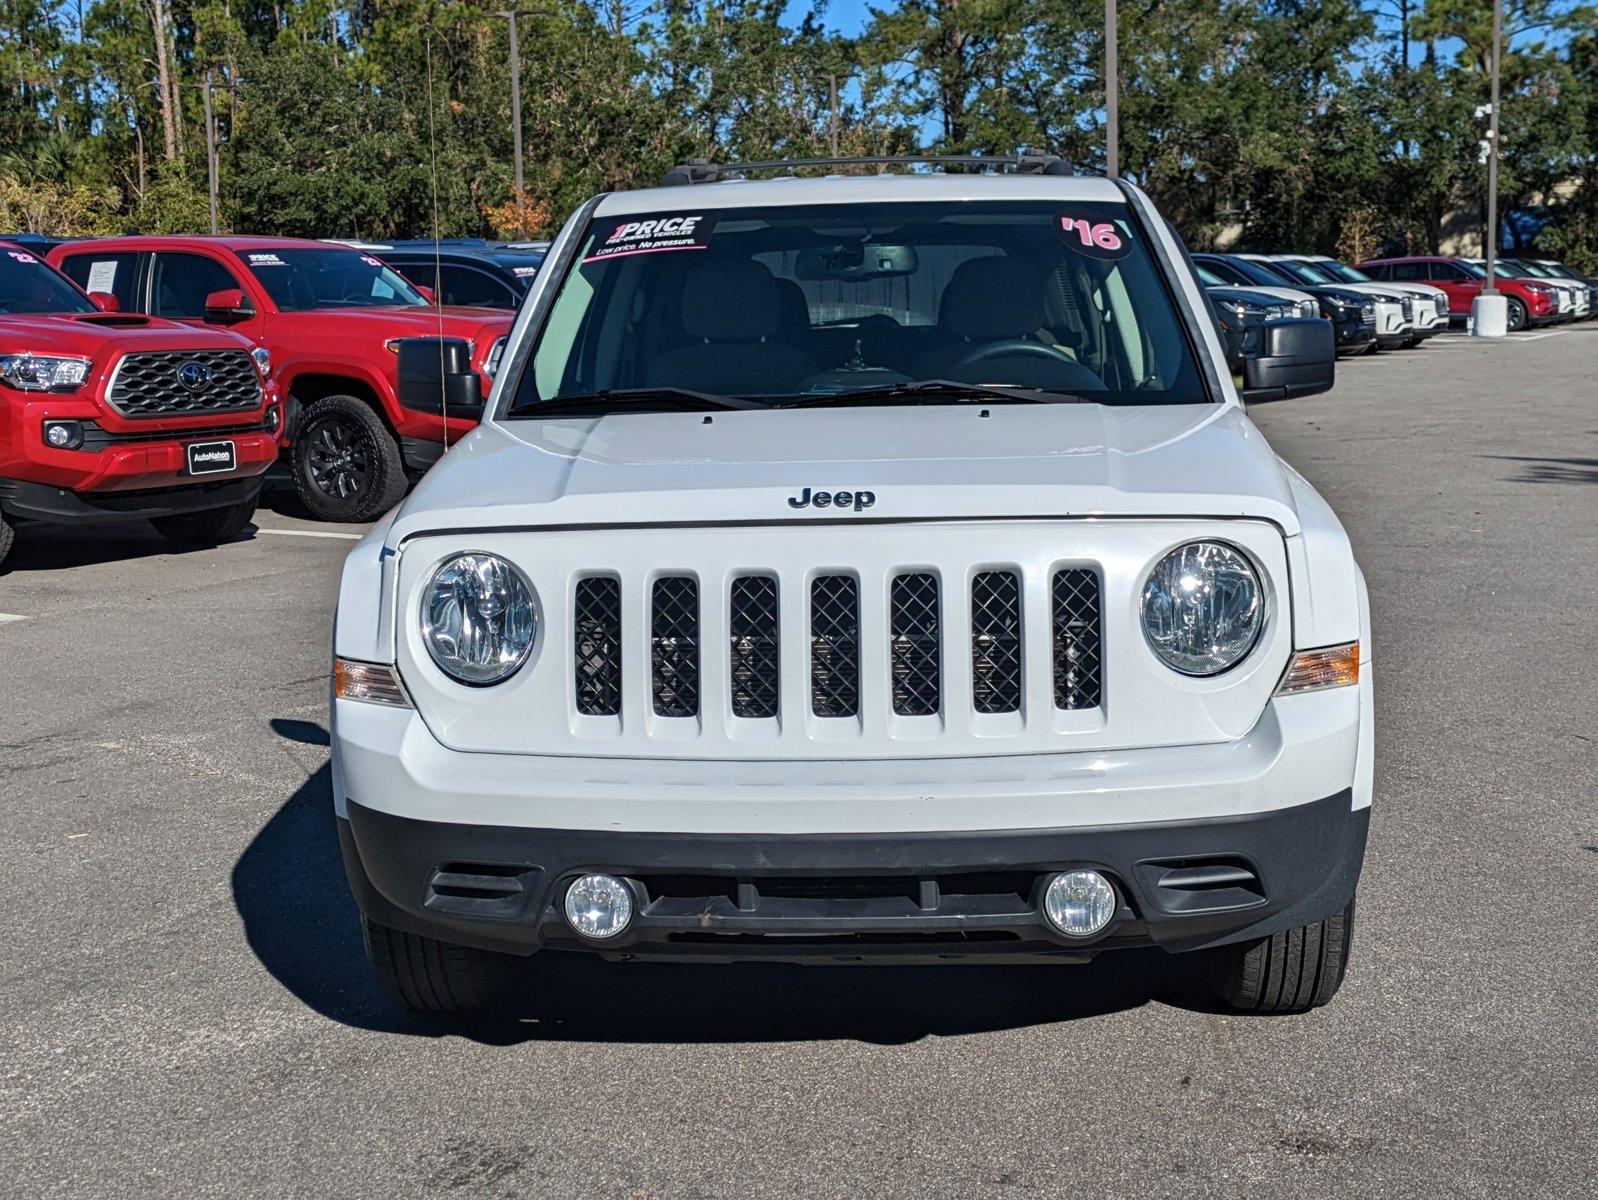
(919, 462)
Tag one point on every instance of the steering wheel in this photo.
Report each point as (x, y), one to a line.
(1013, 346)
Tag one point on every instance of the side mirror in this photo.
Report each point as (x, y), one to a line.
(105, 301)
(426, 293)
(436, 377)
(1297, 357)
(227, 306)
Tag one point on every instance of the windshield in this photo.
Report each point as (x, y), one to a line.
(1208, 277)
(1343, 273)
(1304, 272)
(1266, 274)
(789, 303)
(300, 280)
(1471, 269)
(29, 286)
(1516, 270)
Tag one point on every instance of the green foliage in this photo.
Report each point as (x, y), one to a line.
(1317, 124)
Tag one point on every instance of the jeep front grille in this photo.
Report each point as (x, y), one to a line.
(182, 383)
(674, 646)
(834, 646)
(920, 645)
(596, 645)
(752, 628)
(996, 642)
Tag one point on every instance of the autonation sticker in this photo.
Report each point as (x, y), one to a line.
(653, 235)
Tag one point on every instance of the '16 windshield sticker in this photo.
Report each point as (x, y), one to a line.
(1096, 239)
(653, 235)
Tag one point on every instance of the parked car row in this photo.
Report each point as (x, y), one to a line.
(126, 394)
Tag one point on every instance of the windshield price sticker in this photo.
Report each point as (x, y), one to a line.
(654, 235)
(370, 261)
(22, 256)
(265, 260)
(1096, 239)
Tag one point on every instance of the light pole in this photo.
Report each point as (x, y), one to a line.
(510, 15)
(1112, 89)
(1489, 311)
(210, 155)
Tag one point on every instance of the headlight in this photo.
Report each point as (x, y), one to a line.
(1278, 312)
(1203, 608)
(263, 361)
(478, 619)
(44, 372)
(1237, 308)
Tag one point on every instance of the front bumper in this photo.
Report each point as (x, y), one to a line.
(26, 501)
(1182, 886)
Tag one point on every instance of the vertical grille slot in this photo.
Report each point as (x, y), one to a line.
(1078, 652)
(996, 642)
(752, 634)
(913, 629)
(596, 645)
(834, 646)
(674, 646)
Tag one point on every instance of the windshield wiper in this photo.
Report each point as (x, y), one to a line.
(937, 391)
(608, 400)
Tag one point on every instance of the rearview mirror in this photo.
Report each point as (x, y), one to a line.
(1297, 357)
(855, 260)
(436, 376)
(227, 305)
(105, 301)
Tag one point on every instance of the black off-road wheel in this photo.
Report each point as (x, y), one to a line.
(424, 975)
(1517, 314)
(1289, 972)
(346, 463)
(8, 538)
(211, 527)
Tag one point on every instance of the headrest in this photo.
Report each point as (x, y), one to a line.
(735, 300)
(793, 310)
(992, 297)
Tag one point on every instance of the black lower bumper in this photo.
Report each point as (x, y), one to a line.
(40, 502)
(905, 897)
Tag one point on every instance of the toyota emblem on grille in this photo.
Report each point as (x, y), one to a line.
(194, 374)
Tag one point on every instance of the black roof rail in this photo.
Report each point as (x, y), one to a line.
(699, 170)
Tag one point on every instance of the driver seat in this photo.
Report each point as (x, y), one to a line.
(998, 302)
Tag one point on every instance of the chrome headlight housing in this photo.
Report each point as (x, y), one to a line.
(478, 619)
(1203, 608)
(262, 358)
(44, 372)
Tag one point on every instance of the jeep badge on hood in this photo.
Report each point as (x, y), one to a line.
(806, 498)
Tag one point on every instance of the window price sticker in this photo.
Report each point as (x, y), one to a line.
(1095, 238)
(653, 235)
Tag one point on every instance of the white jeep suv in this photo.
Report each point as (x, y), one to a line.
(859, 568)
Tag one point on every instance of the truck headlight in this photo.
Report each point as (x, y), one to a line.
(262, 358)
(495, 353)
(44, 372)
(478, 619)
(1203, 608)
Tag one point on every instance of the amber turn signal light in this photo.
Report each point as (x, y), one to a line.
(370, 683)
(1328, 667)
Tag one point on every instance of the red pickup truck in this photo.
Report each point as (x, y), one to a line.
(106, 415)
(332, 318)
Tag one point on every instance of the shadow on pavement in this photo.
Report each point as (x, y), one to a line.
(41, 546)
(301, 922)
(1550, 470)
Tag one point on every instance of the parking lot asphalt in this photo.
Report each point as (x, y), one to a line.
(185, 1010)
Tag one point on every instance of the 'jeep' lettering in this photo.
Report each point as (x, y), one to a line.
(858, 500)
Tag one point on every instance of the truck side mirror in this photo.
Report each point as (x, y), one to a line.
(436, 376)
(105, 301)
(227, 306)
(1297, 357)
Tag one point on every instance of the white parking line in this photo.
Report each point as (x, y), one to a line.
(4, 617)
(316, 533)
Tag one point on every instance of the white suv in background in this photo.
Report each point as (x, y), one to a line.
(1429, 311)
(855, 569)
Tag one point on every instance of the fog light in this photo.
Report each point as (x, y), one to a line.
(599, 906)
(63, 435)
(1079, 903)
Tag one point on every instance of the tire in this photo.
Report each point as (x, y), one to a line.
(1517, 315)
(1289, 972)
(346, 464)
(8, 538)
(424, 975)
(211, 527)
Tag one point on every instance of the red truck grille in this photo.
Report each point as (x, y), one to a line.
(181, 383)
